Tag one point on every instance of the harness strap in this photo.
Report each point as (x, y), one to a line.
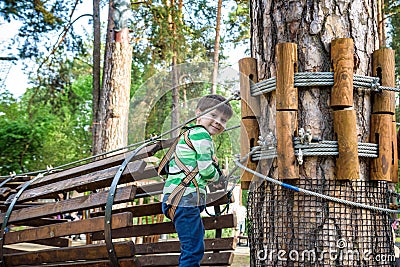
(175, 197)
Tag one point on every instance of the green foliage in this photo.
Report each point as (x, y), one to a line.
(238, 23)
(37, 131)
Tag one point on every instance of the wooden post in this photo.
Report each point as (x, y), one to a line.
(250, 105)
(395, 162)
(381, 134)
(286, 66)
(286, 123)
(249, 129)
(383, 67)
(383, 102)
(342, 55)
(344, 119)
(347, 164)
(286, 110)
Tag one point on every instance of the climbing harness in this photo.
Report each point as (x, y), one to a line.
(175, 197)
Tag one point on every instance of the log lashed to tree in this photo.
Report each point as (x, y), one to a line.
(281, 219)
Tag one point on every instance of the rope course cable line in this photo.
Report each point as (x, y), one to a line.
(309, 192)
(235, 96)
(303, 79)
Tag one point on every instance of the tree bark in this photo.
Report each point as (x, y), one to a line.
(96, 77)
(282, 219)
(115, 94)
(216, 48)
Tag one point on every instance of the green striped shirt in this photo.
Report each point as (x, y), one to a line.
(202, 158)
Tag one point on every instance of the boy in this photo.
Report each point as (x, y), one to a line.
(194, 156)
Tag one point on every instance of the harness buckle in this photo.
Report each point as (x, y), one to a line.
(185, 184)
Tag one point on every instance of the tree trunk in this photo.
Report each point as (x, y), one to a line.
(282, 219)
(216, 48)
(115, 94)
(96, 77)
(175, 72)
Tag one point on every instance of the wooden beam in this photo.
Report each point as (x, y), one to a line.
(93, 200)
(88, 252)
(347, 163)
(342, 56)
(218, 222)
(87, 182)
(287, 97)
(68, 228)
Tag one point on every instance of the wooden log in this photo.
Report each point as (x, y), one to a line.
(342, 56)
(249, 133)
(94, 200)
(218, 222)
(395, 155)
(125, 262)
(89, 252)
(347, 163)
(100, 164)
(381, 134)
(87, 182)
(286, 127)
(211, 244)
(286, 66)
(250, 105)
(69, 228)
(383, 66)
(209, 259)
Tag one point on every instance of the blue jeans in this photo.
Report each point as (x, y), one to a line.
(190, 229)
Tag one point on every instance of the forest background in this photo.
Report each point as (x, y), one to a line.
(51, 123)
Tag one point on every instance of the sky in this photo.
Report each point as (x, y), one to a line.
(17, 80)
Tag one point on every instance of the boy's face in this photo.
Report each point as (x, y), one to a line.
(214, 121)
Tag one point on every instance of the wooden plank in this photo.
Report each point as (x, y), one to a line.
(100, 164)
(211, 244)
(54, 242)
(93, 200)
(88, 252)
(218, 222)
(127, 262)
(88, 182)
(69, 228)
(215, 259)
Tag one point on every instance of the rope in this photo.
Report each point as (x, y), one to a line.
(304, 79)
(235, 96)
(308, 192)
(322, 148)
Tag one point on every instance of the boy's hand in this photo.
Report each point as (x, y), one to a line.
(215, 159)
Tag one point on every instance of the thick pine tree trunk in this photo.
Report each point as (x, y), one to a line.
(280, 218)
(114, 100)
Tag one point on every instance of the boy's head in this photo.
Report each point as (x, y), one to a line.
(215, 120)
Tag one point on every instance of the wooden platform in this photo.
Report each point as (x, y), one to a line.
(119, 197)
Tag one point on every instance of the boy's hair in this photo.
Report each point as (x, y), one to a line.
(210, 101)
